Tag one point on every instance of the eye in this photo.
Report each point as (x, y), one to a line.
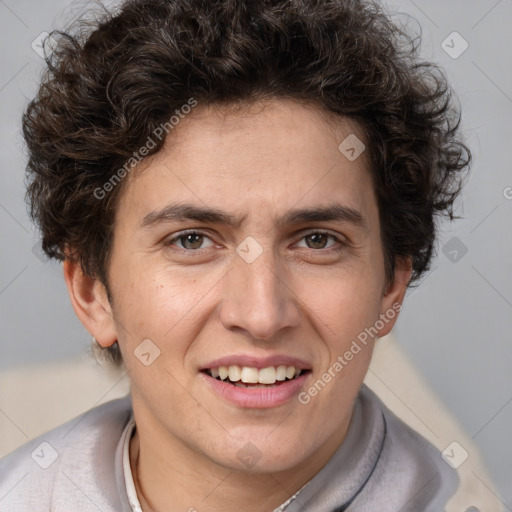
(319, 239)
(194, 241)
(190, 240)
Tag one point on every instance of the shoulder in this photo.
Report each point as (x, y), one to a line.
(410, 474)
(68, 463)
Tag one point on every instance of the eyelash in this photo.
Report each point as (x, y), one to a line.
(340, 244)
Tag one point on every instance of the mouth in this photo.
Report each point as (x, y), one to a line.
(249, 381)
(251, 377)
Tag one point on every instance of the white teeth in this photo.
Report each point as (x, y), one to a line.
(267, 375)
(235, 373)
(251, 375)
(223, 372)
(281, 372)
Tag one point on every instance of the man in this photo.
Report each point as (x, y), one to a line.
(241, 193)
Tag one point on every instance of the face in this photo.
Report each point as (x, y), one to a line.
(250, 245)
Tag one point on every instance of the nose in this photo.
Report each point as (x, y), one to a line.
(258, 298)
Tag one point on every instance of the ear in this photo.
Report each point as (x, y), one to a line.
(391, 302)
(89, 300)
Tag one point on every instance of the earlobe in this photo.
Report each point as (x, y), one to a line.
(90, 303)
(392, 300)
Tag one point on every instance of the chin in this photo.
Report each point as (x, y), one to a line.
(258, 454)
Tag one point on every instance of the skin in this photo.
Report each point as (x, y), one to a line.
(197, 300)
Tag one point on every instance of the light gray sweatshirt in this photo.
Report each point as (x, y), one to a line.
(381, 466)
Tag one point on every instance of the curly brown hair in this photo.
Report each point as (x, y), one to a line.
(107, 89)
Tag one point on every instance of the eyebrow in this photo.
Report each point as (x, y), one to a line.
(184, 211)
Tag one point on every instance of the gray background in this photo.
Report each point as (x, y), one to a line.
(456, 326)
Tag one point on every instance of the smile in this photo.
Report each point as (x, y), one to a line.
(256, 388)
(247, 376)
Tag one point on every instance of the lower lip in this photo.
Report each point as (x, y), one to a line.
(257, 398)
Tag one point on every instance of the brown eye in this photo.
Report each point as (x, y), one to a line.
(193, 240)
(319, 239)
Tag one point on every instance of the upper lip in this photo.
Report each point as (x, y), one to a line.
(257, 362)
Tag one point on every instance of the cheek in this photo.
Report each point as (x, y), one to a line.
(156, 304)
(347, 306)
(344, 303)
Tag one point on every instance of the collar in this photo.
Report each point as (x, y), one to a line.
(127, 470)
(346, 473)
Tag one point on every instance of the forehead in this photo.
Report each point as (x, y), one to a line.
(274, 155)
